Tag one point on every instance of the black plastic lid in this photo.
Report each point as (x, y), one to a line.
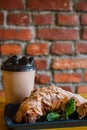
(15, 63)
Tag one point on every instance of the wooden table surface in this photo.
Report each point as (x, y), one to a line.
(3, 124)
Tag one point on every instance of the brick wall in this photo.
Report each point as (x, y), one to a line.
(54, 32)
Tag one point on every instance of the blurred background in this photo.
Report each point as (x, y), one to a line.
(54, 32)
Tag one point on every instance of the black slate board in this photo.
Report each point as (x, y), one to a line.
(10, 110)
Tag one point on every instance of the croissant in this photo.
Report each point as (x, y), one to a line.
(47, 99)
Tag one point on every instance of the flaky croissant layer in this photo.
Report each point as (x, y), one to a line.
(47, 99)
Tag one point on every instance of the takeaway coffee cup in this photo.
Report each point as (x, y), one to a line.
(18, 78)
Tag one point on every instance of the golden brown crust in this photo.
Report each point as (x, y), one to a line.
(46, 99)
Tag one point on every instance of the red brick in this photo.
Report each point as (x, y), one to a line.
(1, 18)
(48, 5)
(41, 64)
(84, 34)
(82, 89)
(43, 19)
(42, 79)
(10, 49)
(12, 34)
(11, 4)
(57, 34)
(67, 88)
(85, 76)
(7, 34)
(61, 48)
(81, 6)
(18, 19)
(69, 20)
(69, 63)
(37, 49)
(23, 34)
(81, 48)
(84, 19)
(65, 77)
